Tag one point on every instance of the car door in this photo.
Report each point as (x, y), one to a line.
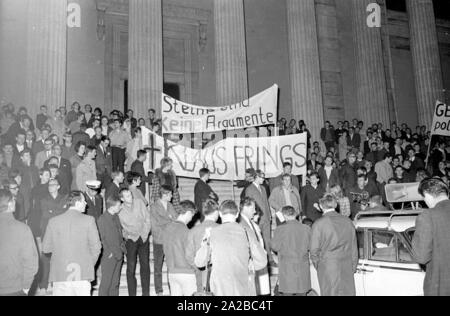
(389, 270)
(359, 276)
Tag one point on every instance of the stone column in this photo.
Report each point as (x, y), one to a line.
(426, 58)
(145, 57)
(231, 55)
(371, 89)
(306, 85)
(46, 55)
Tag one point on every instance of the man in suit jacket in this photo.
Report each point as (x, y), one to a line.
(430, 243)
(334, 251)
(30, 177)
(257, 192)
(73, 240)
(94, 201)
(202, 190)
(64, 168)
(329, 176)
(113, 189)
(44, 155)
(291, 243)
(354, 139)
(103, 162)
(327, 135)
(113, 248)
(138, 167)
(248, 212)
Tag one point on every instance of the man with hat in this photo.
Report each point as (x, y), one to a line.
(94, 202)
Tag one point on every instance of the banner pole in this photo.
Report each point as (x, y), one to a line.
(428, 152)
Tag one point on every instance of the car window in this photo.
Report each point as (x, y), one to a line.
(383, 246)
(360, 241)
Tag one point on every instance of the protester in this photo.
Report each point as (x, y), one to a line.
(162, 213)
(284, 195)
(247, 215)
(230, 256)
(310, 195)
(114, 248)
(135, 220)
(257, 192)
(210, 214)
(19, 259)
(430, 243)
(334, 251)
(138, 167)
(181, 272)
(202, 190)
(73, 241)
(291, 243)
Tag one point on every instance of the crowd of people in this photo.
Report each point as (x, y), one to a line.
(76, 203)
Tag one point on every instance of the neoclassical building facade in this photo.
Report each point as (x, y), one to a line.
(327, 61)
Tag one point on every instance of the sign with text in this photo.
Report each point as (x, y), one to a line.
(183, 118)
(441, 120)
(229, 158)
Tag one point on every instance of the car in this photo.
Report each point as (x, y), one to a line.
(386, 266)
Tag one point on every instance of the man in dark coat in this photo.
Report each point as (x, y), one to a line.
(138, 167)
(30, 177)
(329, 176)
(257, 192)
(202, 190)
(113, 248)
(334, 251)
(327, 135)
(348, 172)
(310, 196)
(103, 162)
(94, 201)
(430, 244)
(113, 189)
(291, 243)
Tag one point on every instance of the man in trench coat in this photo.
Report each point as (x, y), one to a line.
(334, 250)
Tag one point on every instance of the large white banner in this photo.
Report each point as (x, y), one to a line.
(441, 120)
(183, 118)
(229, 158)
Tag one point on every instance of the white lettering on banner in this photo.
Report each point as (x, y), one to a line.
(229, 158)
(441, 121)
(183, 118)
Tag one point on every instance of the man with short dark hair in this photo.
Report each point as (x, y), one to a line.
(42, 117)
(334, 251)
(202, 190)
(119, 139)
(383, 169)
(327, 135)
(73, 240)
(135, 220)
(51, 206)
(30, 177)
(310, 195)
(44, 155)
(113, 248)
(162, 214)
(103, 162)
(19, 257)
(287, 169)
(181, 272)
(430, 245)
(210, 213)
(81, 135)
(138, 167)
(86, 170)
(113, 189)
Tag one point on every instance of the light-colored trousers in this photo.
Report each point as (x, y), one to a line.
(182, 284)
(75, 288)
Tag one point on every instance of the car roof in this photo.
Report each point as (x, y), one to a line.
(398, 224)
